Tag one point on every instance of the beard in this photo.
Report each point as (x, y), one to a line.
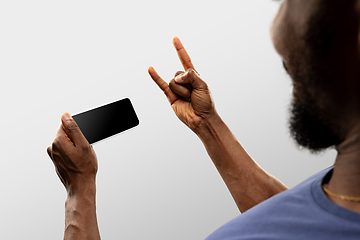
(317, 109)
(309, 128)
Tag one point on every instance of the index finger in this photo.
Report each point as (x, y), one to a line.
(171, 96)
(183, 55)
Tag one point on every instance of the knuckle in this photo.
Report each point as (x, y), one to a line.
(191, 71)
(56, 144)
(172, 83)
(194, 73)
(49, 151)
(163, 85)
(189, 74)
(86, 148)
(72, 126)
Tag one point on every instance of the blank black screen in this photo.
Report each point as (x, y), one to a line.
(107, 120)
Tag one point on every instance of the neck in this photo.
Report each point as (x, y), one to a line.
(346, 175)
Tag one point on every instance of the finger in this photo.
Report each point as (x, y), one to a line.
(178, 73)
(171, 96)
(158, 80)
(188, 86)
(183, 55)
(191, 77)
(180, 90)
(72, 130)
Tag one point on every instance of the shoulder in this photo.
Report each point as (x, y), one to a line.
(292, 214)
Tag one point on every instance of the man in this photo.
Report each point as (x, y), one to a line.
(319, 43)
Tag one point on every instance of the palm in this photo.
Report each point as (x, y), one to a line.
(186, 113)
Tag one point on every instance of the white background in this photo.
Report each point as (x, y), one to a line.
(155, 181)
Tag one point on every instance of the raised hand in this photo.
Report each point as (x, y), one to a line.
(191, 100)
(188, 94)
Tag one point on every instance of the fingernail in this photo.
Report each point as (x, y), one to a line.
(178, 79)
(66, 116)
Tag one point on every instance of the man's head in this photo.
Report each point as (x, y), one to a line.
(318, 41)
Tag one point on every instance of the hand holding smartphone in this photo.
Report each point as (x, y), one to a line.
(107, 120)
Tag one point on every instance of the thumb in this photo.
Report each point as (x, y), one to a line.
(191, 77)
(72, 130)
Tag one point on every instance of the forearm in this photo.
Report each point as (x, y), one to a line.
(247, 182)
(80, 214)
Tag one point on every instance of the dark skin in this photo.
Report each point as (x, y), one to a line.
(287, 30)
(191, 100)
(76, 165)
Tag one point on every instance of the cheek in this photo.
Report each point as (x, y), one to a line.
(275, 33)
(282, 31)
(278, 37)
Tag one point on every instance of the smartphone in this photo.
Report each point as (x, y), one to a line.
(108, 120)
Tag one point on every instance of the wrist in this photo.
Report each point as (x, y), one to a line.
(80, 213)
(208, 127)
(82, 187)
